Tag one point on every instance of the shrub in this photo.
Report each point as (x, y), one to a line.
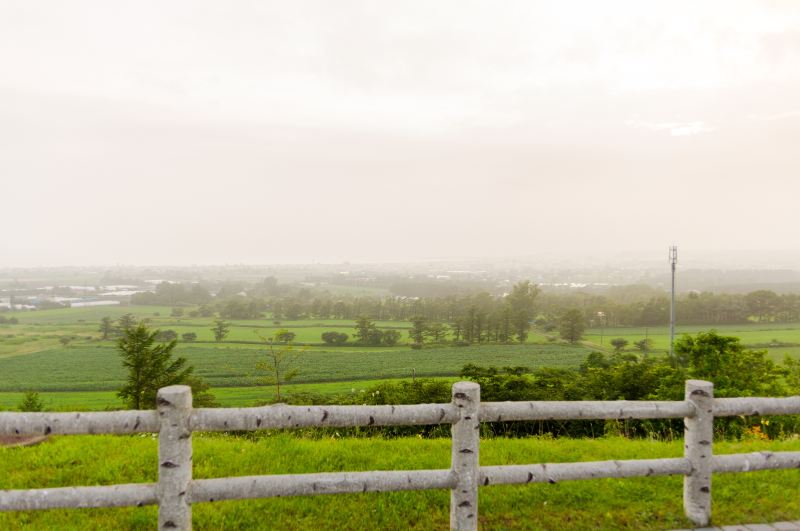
(166, 335)
(334, 338)
(391, 337)
(31, 401)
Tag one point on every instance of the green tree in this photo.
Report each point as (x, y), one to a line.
(763, 304)
(31, 401)
(189, 336)
(166, 335)
(375, 337)
(438, 332)
(619, 343)
(571, 325)
(126, 321)
(521, 302)
(150, 366)
(644, 344)
(64, 340)
(391, 337)
(419, 330)
(735, 371)
(334, 338)
(201, 392)
(221, 329)
(284, 335)
(279, 364)
(364, 328)
(106, 327)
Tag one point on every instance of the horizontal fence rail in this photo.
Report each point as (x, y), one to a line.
(283, 416)
(175, 420)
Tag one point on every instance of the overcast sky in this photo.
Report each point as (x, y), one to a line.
(200, 132)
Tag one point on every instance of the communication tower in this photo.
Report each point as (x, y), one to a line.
(673, 261)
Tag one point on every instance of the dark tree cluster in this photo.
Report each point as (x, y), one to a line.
(649, 307)
(367, 333)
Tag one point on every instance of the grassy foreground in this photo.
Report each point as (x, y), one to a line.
(637, 503)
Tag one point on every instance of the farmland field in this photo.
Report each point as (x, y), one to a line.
(86, 372)
(97, 367)
(777, 339)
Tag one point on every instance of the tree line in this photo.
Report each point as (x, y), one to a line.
(478, 316)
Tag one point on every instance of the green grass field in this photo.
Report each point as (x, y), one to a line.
(608, 504)
(88, 370)
(85, 373)
(752, 335)
(97, 367)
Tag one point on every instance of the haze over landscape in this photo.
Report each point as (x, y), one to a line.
(209, 133)
(409, 255)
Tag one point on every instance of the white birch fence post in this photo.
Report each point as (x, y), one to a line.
(465, 453)
(698, 437)
(174, 457)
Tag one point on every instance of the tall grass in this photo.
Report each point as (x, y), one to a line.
(636, 503)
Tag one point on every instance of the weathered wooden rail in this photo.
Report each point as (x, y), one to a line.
(175, 420)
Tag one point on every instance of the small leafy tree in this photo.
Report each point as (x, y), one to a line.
(571, 325)
(31, 401)
(644, 344)
(279, 364)
(150, 366)
(419, 330)
(438, 332)
(364, 327)
(106, 327)
(64, 340)
(126, 321)
(189, 336)
(520, 303)
(221, 329)
(284, 335)
(619, 343)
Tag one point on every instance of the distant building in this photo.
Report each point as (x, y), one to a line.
(84, 304)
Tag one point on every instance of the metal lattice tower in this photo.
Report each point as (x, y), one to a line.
(673, 261)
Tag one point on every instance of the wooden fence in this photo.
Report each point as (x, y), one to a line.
(175, 420)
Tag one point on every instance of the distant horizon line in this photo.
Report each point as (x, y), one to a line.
(621, 256)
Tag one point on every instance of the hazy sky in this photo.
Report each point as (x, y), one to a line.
(154, 132)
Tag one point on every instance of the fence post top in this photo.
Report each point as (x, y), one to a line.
(702, 384)
(173, 393)
(464, 386)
